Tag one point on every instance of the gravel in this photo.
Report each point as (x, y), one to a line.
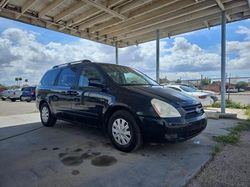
(230, 167)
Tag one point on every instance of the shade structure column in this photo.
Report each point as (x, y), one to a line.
(223, 61)
(116, 54)
(157, 55)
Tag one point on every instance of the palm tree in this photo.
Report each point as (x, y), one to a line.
(26, 82)
(20, 79)
(16, 79)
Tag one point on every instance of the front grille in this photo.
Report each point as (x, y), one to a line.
(192, 111)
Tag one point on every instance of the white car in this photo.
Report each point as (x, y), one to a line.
(15, 95)
(203, 97)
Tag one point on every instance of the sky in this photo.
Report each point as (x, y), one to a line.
(27, 51)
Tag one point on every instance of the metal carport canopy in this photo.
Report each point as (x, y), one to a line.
(123, 23)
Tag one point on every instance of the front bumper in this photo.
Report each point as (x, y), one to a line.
(166, 130)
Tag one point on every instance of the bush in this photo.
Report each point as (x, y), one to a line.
(234, 136)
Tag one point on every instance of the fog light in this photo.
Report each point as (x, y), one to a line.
(171, 136)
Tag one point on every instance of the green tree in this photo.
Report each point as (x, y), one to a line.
(241, 84)
(205, 82)
(178, 81)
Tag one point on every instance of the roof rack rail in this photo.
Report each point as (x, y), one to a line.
(71, 63)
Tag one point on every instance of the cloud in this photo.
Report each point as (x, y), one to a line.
(22, 54)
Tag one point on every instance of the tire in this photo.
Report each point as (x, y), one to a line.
(3, 99)
(124, 133)
(45, 111)
(13, 100)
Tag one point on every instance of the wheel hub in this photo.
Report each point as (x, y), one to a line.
(121, 131)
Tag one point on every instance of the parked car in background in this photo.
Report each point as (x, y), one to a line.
(210, 93)
(28, 93)
(15, 95)
(5, 94)
(232, 90)
(203, 97)
(241, 89)
(128, 105)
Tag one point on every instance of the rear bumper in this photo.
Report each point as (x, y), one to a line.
(165, 130)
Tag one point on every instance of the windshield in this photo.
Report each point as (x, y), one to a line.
(127, 76)
(188, 89)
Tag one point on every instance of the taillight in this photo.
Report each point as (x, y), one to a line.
(33, 92)
(14, 93)
(203, 97)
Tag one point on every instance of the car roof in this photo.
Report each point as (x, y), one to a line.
(86, 62)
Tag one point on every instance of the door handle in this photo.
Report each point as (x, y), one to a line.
(71, 92)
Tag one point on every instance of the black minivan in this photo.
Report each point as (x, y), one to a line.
(128, 105)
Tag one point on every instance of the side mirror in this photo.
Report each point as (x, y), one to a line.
(96, 83)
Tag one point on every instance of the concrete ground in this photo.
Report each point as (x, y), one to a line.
(242, 97)
(18, 107)
(74, 155)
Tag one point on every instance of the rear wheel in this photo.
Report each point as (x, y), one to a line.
(21, 98)
(47, 118)
(123, 131)
(13, 100)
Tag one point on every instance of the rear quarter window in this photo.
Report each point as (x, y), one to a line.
(49, 77)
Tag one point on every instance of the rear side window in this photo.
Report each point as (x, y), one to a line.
(49, 77)
(67, 77)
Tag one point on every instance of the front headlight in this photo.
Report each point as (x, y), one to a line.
(164, 110)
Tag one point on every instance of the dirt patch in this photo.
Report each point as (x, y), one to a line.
(103, 160)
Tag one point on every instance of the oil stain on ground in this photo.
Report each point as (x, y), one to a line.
(72, 160)
(76, 157)
(103, 160)
(75, 172)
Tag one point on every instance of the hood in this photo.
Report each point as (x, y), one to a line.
(165, 94)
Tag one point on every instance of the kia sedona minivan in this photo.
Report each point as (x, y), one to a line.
(128, 105)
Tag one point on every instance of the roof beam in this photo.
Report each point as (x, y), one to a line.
(182, 19)
(25, 7)
(105, 9)
(50, 7)
(168, 17)
(99, 18)
(181, 28)
(4, 3)
(69, 11)
(88, 14)
(206, 23)
(150, 8)
(221, 5)
(132, 5)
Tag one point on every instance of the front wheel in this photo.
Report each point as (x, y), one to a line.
(47, 118)
(124, 132)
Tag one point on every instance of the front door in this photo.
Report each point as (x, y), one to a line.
(90, 102)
